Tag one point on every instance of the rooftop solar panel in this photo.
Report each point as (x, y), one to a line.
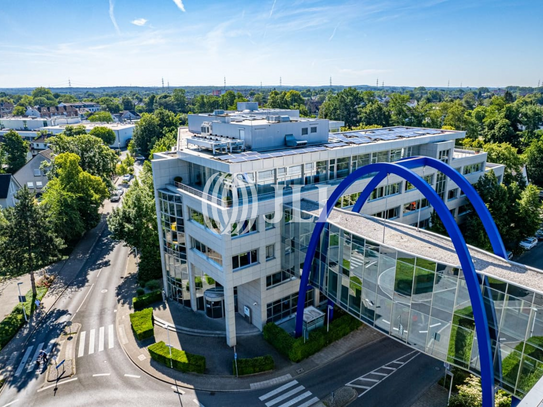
(238, 160)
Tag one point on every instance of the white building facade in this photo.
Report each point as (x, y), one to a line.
(220, 196)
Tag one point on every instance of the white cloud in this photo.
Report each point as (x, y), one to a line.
(333, 33)
(112, 16)
(179, 3)
(139, 22)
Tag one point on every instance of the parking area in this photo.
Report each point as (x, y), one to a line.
(532, 257)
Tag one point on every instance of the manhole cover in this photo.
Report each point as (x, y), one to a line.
(300, 370)
(141, 357)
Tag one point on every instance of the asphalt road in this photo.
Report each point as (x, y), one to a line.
(532, 257)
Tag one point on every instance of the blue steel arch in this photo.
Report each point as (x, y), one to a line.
(463, 184)
(466, 262)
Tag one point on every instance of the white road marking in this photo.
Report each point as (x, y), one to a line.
(278, 390)
(285, 396)
(81, 344)
(310, 402)
(34, 358)
(83, 302)
(9, 404)
(132, 375)
(100, 374)
(99, 271)
(57, 384)
(101, 339)
(365, 384)
(297, 399)
(198, 403)
(110, 337)
(23, 362)
(91, 341)
(177, 390)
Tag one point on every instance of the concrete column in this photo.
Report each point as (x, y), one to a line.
(316, 297)
(229, 316)
(192, 287)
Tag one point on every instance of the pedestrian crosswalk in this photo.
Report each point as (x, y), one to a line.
(96, 340)
(33, 351)
(288, 395)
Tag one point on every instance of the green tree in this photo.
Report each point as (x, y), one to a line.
(102, 117)
(399, 110)
(86, 191)
(180, 100)
(14, 150)
(470, 395)
(375, 113)
(342, 106)
(95, 157)
(135, 223)
(152, 127)
(42, 92)
(128, 103)
(19, 111)
(146, 133)
(105, 134)
(534, 162)
(29, 242)
(71, 131)
(506, 154)
(110, 104)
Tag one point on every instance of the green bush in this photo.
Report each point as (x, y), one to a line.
(180, 360)
(140, 291)
(152, 285)
(254, 365)
(296, 350)
(209, 280)
(142, 323)
(143, 301)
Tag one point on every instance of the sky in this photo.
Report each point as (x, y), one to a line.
(293, 42)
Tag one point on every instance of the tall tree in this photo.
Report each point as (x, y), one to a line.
(105, 134)
(534, 162)
(87, 191)
(29, 241)
(506, 154)
(14, 151)
(95, 157)
(102, 117)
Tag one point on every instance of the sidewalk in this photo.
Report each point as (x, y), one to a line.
(204, 336)
(65, 273)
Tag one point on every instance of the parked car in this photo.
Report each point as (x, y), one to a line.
(528, 243)
(127, 177)
(119, 191)
(509, 254)
(140, 158)
(115, 198)
(539, 234)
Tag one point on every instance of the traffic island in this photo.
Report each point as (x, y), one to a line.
(340, 398)
(62, 365)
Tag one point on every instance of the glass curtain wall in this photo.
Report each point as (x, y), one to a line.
(174, 240)
(423, 302)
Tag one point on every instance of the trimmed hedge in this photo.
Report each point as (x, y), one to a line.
(180, 360)
(142, 323)
(143, 301)
(296, 350)
(254, 365)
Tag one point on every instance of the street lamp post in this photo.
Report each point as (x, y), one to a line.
(20, 296)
